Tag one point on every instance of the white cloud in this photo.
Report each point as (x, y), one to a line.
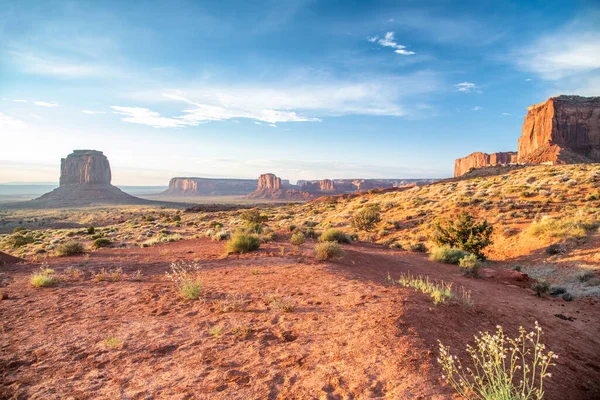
(389, 41)
(476, 108)
(58, 66)
(505, 114)
(7, 122)
(137, 115)
(45, 104)
(467, 87)
(92, 112)
(20, 101)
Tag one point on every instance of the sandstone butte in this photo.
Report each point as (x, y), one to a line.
(85, 178)
(210, 187)
(561, 130)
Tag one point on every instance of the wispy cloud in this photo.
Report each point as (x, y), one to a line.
(92, 112)
(476, 108)
(138, 115)
(20, 101)
(505, 114)
(7, 122)
(52, 65)
(45, 104)
(388, 40)
(467, 87)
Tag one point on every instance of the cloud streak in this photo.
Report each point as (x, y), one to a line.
(388, 40)
(467, 87)
(45, 104)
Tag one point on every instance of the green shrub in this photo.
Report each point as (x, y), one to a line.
(334, 235)
(366, 218)
(253, 227)
(101, 242)
(541, 288)
(418, 248)
(221, 235)
(297, 239)
(91, 230)
(448, 255)
(470, 265)
(44, 278)
(328, 250)
(465, 233)
(19, 240)
(561, 228)
(242, 243)
(18, 229)
(69, 249)
(253, 216)
(186, 277)
(554, 249)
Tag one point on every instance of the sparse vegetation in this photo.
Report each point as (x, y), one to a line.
(334, 235)
(366, 218)
(44, 278)
(101, 242)
(328, 250)
(113, 342)
(187, 280)
(501, 367)
(242, 243)
(70, 248)
(541, 288)
(470, 265)
(448, 255)
(465, 233)
(440, 292)
(297, 239)
(561, 228)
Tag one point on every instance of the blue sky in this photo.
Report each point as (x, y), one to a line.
(304, 89)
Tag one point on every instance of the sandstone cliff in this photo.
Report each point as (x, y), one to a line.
(479, 160)
(210, 187)
(324, 185)
(270, 186)
(84, 179)
(561, 130)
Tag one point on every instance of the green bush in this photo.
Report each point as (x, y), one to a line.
(18, 229)
(334, 235)
(448, 255)
(242, 243)
(69, 249)
(297, 239)
(253, 216)
(541, 288)
(91, 230)
(19, 240)
(101, 242)
(470, 265)
(328, 250)
(418, 248)
(366, 218)
(464, 233)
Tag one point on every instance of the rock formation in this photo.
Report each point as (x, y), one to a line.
(84, 179)
(210, 187)
(269, 182)
(561, 130)
(324, 186)
(479, 160)
(270, 186)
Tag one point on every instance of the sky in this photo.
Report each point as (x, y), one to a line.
(303, 89)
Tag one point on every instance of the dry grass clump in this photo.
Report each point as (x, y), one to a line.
(448, 255)
(297, 239)
(335, 235)
(113, 275)
(328, 251)
(470, 265)
(242, 243)
(561, 228)
(70, 248)
(113, 342)
(501, 367)
(44, 278)
(186, 277)
(440, 292)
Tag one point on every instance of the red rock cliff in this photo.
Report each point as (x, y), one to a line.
(268, 182)
(563, 129)
(478, 160)
(209, 186)
(84, 167)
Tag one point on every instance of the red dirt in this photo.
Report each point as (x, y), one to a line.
(350, 336)
(8, 259)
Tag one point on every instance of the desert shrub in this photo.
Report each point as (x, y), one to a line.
(448, 255)
(242, 243)
(114, 275)
(297, 239)
(366, 218)
(113, 342)
(69, 249)
(334, 235)
(440, 292)
(561, 228)
(253, 227)
(221, 235)
(541, 288)
(502, 367)
(557, 290)
(328, 250)
(215, 224)
(101, 242)
(44, 278)
(91, 230)
(253, 216)
(18, 229)
(19, 240)
(470, 265)
(186, 277)
(418, 247)
(465, 233)
(585, 276)
(556, 248)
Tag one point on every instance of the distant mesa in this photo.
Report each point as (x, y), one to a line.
(210, 187)
(561, 130)
(272, 187)
(85, 178)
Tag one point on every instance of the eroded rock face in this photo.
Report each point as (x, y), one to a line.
(84, 167)
(479, 160)
(210, 187)
(324, 185)
(269, 182)
(569, 123)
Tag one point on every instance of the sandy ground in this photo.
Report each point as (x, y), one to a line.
(351, 335)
